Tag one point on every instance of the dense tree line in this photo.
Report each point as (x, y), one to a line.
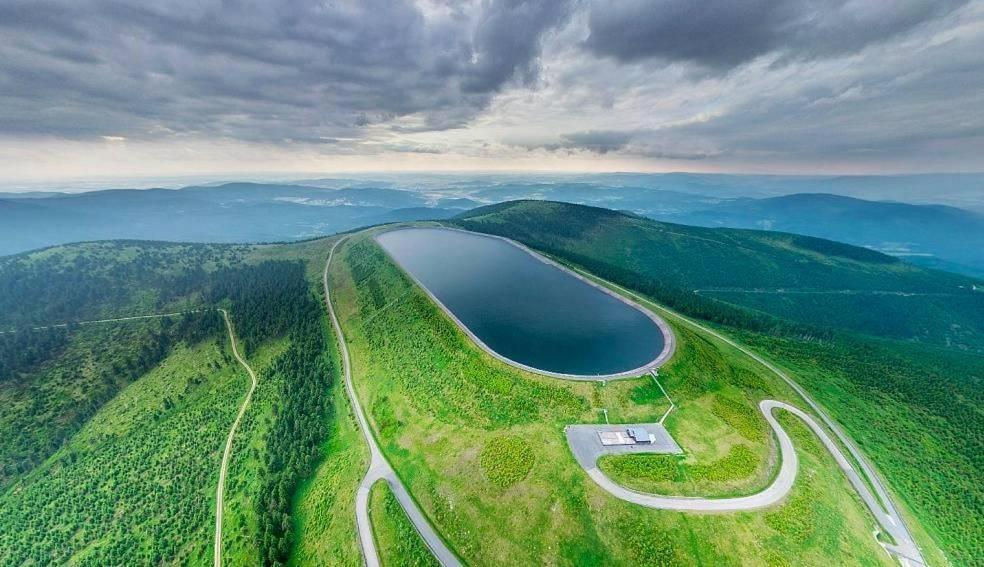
(269, 300)
(96, 279)
(48, 404)
(22, 350)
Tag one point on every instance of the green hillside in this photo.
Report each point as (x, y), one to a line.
(913, 406)
(812, 282)
(113, 430)
(480, 444)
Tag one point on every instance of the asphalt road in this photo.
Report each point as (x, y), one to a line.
(220, 491)
(379, 467)
(885, 514)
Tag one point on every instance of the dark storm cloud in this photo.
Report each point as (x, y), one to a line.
(253, 70)
(508, 40)
(722, 34)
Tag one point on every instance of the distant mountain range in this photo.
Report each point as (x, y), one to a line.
(931, 235)
(235, 212)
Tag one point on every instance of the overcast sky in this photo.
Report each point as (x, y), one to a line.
(120, 87)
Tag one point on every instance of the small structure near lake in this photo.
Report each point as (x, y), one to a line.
(590, 441)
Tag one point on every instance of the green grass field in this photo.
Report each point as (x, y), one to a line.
(913, 405)
(397, 541)
(437, 403)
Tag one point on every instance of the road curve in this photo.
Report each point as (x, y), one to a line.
(379, 467)
(773, 494)
(220, 490)
(884, 511)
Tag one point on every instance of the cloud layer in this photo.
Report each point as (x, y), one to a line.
(718, 83)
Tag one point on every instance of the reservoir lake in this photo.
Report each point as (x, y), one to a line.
(525, 310)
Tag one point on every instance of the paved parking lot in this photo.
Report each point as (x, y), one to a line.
(586, 444)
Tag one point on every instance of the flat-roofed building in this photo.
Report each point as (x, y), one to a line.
(639, 434)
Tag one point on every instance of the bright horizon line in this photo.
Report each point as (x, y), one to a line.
(120, 182)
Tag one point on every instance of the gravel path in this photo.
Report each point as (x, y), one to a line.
(226, 454)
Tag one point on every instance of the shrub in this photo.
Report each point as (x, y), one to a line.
(506, 460)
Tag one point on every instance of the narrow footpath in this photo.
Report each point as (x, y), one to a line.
(379, 467)
(220, 490)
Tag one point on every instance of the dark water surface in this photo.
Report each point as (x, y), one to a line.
(524, 309)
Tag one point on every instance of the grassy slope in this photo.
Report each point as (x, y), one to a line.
(915, 410)
(324, 512)
(243, 478)
(397, 540)
(438, 402)
(136, 484)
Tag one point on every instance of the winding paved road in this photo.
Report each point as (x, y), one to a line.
(220, 490)
(884, 511)
(379, 467)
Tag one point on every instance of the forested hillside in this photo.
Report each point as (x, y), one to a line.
(913, 405)
(99, 417)
(928, 235)
(53, 379)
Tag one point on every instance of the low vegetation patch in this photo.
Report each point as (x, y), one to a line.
(740, 462)
(646, 544)
(654, 468)
(506, 460)
(397, 539)
(740, 416)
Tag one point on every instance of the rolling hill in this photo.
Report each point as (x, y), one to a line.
(233, 212)
(907, 391)
(929, 235)
(730, 275)
(112, 433)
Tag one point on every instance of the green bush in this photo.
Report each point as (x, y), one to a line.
(655, 468)
(740, 462)
(740, 416)
(506, 460)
